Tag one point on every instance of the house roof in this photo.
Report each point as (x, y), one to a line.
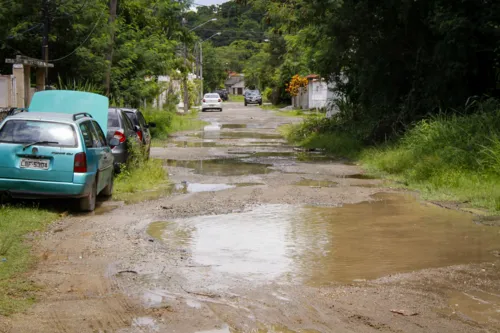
(312, 76)
(233, 80)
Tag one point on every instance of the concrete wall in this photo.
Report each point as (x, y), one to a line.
(7, 91)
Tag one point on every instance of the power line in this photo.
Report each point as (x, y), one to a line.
(84, 41)
(39, 25)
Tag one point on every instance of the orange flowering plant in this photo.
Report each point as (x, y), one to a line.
(295, 84)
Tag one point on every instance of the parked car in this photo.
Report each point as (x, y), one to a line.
(141, 127)
(121, 128)
(223, 94)
(55, 155)
(211, 101)
(253, 97)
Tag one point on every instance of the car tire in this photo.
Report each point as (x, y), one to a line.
(246, 103)
(87, 204)
(220, 110)
(108, 190)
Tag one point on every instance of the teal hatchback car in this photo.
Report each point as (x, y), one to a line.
(56, 154)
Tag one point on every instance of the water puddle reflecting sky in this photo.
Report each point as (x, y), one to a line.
(320, 245)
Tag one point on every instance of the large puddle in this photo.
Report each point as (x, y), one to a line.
(222, 167)
(321, 245)
(213, 134)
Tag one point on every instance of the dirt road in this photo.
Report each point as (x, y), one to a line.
(258, 237)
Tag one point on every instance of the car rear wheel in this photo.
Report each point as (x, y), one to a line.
(246, 103)
(108, 190)
(87, 204)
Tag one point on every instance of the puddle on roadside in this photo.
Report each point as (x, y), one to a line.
(237, 135)
(197, 187)
(234, 126)
(272, 154)
(145, 323)
(247, 184)
(173, 234)
(360, 176)
(195, 144)
(315, 183)
(477, 306)
(221, 167)
(321, 245)
(313, 157)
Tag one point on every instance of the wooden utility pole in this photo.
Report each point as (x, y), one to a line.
(45, 37)
(185, 79)
(113, 5)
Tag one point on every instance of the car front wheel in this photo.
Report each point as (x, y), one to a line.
(87, 204)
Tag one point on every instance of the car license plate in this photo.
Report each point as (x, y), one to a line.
(31, 163)
(211, 104)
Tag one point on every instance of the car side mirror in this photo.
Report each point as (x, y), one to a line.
(114, 142)
(152, 125)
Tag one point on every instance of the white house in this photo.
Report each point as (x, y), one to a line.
(235, 84)
(318, 94)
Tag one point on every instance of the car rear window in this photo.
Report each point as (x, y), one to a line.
(212, 96)
(113, 120)
(132, 117)
(30, 131)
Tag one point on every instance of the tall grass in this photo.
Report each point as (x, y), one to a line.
(449, 157)
(139, 174)
(168, 122)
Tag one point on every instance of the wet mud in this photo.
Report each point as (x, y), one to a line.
(255, 236)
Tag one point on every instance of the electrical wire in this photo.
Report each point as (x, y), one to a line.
(83, 42)
(39, 25)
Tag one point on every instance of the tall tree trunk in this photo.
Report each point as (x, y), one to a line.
(113, 4)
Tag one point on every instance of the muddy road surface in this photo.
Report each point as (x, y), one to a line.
(256, 236)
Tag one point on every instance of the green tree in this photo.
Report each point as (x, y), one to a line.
(213, 68)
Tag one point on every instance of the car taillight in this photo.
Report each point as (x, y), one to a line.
(80, 165)
(219, 100)
(204, 100)
(139, 134)
(120, 136)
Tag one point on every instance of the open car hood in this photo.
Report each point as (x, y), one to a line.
(71, 102)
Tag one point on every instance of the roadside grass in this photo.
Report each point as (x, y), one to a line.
(236, 98)
(139, 175)
(131, 184)
(449, 158)
(17, 291)
(168, 122)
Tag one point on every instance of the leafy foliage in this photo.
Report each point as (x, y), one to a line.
(147, 34)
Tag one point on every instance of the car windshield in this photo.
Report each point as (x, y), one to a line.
(29, 131)
(212, 96)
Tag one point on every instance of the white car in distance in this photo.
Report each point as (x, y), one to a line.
(211, 101)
